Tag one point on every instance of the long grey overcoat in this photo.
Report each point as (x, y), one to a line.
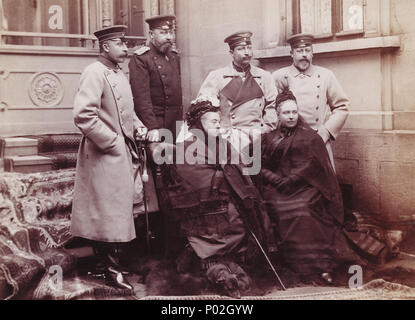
(104, 184)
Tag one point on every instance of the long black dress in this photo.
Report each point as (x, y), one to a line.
(215, 203)
(304, 199)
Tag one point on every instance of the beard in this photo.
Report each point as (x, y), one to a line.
(164, 47)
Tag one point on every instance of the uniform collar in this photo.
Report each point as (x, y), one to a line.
(241, 69)
(108, 63)
(295, 72)
(231, 72)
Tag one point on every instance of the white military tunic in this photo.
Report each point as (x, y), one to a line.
(256, 113)
(321, 100)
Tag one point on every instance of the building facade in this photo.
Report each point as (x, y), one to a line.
(368, 44)
(45, 45)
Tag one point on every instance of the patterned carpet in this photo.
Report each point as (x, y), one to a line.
(34, 227)
(374, 290)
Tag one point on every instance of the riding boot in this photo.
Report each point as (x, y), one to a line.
(113, 257)
(98, 270)
(108, 256)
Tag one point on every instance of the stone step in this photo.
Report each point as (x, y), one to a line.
(61, 160)
(19, 147)
(27, 164)
(59, 143)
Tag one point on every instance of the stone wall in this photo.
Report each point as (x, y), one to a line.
(376, 151)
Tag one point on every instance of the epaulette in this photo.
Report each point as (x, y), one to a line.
(141, 50)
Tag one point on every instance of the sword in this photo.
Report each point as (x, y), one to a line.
(144, 178)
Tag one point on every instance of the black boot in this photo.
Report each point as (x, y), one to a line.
(113, 258)
(116, 279)
(98, 270)
(108, 263)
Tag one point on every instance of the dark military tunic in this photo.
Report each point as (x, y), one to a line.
(156, 86)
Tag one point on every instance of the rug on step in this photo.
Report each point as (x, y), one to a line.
(34, 225)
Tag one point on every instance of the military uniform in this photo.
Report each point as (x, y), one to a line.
(156, 85)
(258, 111)
(321, 100)
(104, 191)
(247, 93)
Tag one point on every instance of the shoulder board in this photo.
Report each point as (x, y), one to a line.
(141, 50)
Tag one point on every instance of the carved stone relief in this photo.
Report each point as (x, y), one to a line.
(46, 89)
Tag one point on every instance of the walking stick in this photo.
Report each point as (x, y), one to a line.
(239, 192)
(267, 258)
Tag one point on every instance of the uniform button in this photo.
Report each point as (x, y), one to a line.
(159, 67)
(317, 120)
(233, 116)
(318, 96)
(119, 98)
(318, 86)
(167, 97)
(163, 75)
(318, 76)
(317, 107)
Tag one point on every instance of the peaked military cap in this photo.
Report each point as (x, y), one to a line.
(112, 32)
(165, 22)
(241, 38)
(300, 40)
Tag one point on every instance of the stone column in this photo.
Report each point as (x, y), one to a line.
(167, 7)
(106, 13)
(154, 8)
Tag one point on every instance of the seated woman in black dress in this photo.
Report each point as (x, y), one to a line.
(214, 202)
(303, 195)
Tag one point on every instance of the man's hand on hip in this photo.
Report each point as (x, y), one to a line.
(323, 133)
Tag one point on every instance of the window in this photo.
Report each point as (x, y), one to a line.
(333, 18)
(131, 14)
(67, 23)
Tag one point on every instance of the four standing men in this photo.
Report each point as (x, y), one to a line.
(321, 100)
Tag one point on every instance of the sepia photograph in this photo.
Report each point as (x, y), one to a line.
(211, 151)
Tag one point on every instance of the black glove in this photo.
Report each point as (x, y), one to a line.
(270, 176)
(282, 184)
(288, 183)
